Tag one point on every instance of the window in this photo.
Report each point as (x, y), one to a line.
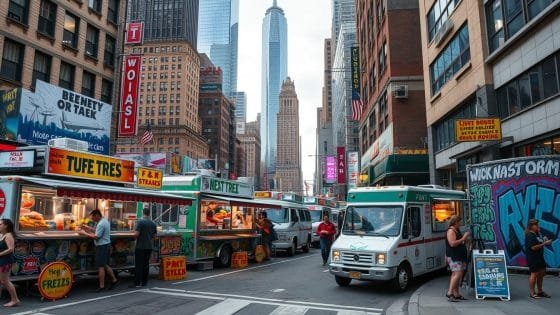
(109, 58)
(19, 10)
(382, 58)
(445, 130)
(47, 18)
(106, 91)
(438, 14)
(413, 223)
(113, 11)
(442, 211)
(71, 30)
(41, 67)
(66, 76)
(451, 59)
(95, 5)
(88, 84)
(12, 60)
(92, 41)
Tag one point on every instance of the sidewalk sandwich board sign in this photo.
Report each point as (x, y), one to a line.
(490, 275)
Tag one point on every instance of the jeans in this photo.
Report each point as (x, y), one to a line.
(142, 266)
(325, 249)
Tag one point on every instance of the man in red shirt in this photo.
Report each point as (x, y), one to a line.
(326, 231)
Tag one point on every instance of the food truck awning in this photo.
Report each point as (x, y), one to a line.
(87, 190)
(246, 202)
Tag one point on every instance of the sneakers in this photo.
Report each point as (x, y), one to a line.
(543, 294)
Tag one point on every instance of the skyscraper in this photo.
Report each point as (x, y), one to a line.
(218, 24)
(166, 19)
(274, 71)
(288, 167)
(240, 107)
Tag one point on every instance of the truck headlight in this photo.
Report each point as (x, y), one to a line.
(335, 255)
(381, 259)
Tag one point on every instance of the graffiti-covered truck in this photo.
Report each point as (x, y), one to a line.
(505, 194)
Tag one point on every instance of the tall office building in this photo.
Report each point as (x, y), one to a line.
(218, 25)
(274, 71)
(327, 82)
(240, 107)
(342, 11)
(251, 144)
(166, 19)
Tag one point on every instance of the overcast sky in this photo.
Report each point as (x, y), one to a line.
(309, 23)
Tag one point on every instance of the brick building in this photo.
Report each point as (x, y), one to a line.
(251, 144)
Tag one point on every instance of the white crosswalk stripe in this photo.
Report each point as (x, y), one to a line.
(227, 307)
(289, 310)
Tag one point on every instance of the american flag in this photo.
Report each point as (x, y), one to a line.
(357, 106)
(148, 136)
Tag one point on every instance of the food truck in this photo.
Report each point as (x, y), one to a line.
(318, 208)
(394, 233)
(48, 192)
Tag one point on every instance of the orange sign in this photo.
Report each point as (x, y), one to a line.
(55, 280)
(479, 129)
(87, 165)
(150, 178)
(262, 194)
(173, 268)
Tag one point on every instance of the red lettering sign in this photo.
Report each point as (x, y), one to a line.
(341, 164)
(134, 33)
(2, 202)
(30, 265)
(128, 114)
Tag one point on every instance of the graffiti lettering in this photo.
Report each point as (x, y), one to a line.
(483, 216)
(514, 169)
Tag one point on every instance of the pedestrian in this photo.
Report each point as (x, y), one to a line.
(265, 227)
(101, 236)
(456, 257)
(340, 222)
(144, 234)
(326, 231)
(7, 245)
(534, 250)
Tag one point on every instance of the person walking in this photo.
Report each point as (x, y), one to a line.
(456, 257)
(326, 231)
(7, 245)
(534, 250)
(265, 227)
(144, 234)
(101, 236)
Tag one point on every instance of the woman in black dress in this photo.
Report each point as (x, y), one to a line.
(534, 249)
(456, 257)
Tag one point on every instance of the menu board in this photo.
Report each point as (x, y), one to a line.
(490, 275)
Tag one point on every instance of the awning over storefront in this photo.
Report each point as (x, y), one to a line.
(86, 190)
(258, 203)
(402, 165)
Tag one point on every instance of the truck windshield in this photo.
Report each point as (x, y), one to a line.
(373, 220)
(278, 215)
(316, 216)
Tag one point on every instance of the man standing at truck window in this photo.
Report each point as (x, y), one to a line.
(144, 234)
(326, 231)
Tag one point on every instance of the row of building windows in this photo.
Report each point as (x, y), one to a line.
(378, 120)
(439, 13)
(451, 59)
(18, 10)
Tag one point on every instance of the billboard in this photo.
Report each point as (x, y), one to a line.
(478, 129)
(169, 163)
(53, 112)
(505, 194)
(128, 115)
(9, 114)
(353, 169)
(330, 169)
(341, 164)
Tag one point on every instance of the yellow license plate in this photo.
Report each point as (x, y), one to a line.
(355, 274)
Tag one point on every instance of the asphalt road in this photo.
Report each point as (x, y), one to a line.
(284, 285)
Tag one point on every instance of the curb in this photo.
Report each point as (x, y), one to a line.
(413, 302)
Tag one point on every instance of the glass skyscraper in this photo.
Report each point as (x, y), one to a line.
(241, 107)
(274, 71)
(218, 25)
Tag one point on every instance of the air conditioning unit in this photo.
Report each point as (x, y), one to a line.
(68, 143)
(400, 91)
(445, 28)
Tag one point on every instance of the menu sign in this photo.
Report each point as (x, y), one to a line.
(17, 159)
(490, 275)
(149, 178)
(90, 166)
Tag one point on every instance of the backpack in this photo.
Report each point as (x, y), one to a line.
(273, 235)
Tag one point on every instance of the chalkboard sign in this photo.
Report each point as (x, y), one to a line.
(490, 275)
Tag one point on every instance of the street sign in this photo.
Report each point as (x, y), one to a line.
(490, 275)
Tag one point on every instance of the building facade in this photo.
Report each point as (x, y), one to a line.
(324, 148)
(392, 128)
(343, 11)
(274, 71)
(288, 167)
(251, 145)
(492, 59)
(218, 26)
(240, 107)
(166, 19)
(168, 100)
(327, 83)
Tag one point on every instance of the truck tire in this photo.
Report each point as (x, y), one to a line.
(224, 259)
(305, 248)
(402, 279)
(292, 249)
(343, 282)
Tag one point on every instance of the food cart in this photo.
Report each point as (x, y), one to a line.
(53, 198)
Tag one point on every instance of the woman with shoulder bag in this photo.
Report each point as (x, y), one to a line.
(7, 245)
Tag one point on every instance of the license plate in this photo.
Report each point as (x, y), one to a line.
(355, 274)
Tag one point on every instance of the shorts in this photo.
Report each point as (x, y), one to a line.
(5, 268)
(455, 266)
(102, 255)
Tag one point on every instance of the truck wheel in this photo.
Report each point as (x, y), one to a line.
(292, 250)
(343, 282)
(305, 248)
(224, 259)
(402, 279)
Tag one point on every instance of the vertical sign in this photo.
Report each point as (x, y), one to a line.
(134, 33)
(330, 169)
(353, 169)
(355, 69)
(129, 96)
(341, 164)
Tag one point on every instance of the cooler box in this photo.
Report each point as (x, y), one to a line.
(173, 268)
(239, 260)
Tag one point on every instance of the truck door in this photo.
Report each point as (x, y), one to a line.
(412, 232)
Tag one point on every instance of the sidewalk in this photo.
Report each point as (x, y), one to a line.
(430, 299)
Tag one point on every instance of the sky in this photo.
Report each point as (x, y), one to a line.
(309, 23)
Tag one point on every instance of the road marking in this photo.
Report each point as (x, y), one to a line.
(245, 269)
(227, 307)
(289, 310)
(355, 313)
(277, 290)
(326, 270)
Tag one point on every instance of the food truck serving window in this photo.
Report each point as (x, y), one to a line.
(442, 210)
(164, 214)
(222, 215)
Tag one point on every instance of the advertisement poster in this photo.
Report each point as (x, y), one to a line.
(9, 113)
(480, 129)
(128, 115)
(341, 164)
(189, 164)
(490, 275)
(154, 160)
(330, 169)
(206, 164)
(53, 112)
(505, 194)
(353, 169)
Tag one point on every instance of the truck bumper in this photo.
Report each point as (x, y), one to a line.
(363, 273)
(282, 245)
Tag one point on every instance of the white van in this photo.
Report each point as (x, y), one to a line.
(393, 233)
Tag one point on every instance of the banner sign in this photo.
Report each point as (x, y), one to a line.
(55, 280)
(355, 69)
(505, 194)
(17, 159)
(262, 195)
(225, 187)
(134, 33)
(128, 114)
(330, 169)
(9, 114)
(90, 166)
(341, 164)
(353, 169)
(479, 129)
(149, 178)
(490, 275)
